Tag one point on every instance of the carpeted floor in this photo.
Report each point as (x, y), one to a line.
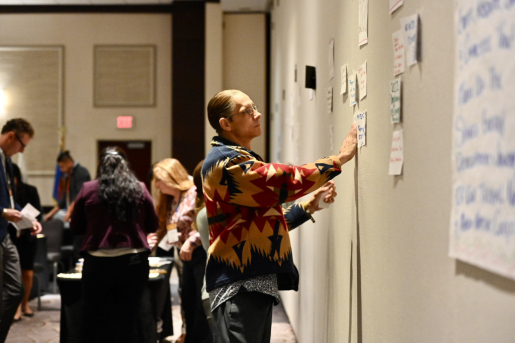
(44, 326)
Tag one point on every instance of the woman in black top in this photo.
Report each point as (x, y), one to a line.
(24, 241)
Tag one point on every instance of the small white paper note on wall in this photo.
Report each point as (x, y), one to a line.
(395, 4)
(395, 100)
(362, 80)
(352, 89)
(361, 122)
(331, 59)
(311, 94)
(329, 99)
(397, 153)
(399, 60)
(409, 28)
(343, 88)
(363, 22)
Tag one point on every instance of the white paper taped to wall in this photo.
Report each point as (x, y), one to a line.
(409, 28)
(343, 86)
(395, 101)
(352, 89)
(399, 60)
(397, 153)
(331, 59)
(329, 99)
(482, 226)
(362, 80)
(395, 4)
(361, 122)
(363, 22)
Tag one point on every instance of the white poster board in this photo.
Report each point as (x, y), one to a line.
(482, 227)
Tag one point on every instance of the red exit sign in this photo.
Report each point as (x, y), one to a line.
(124, 122)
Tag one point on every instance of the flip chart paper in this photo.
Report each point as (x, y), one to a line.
(395, 101)
(361, 122)
(362, 80)
(397, 153)
(409, 28)
(399, 59)
(352, 89)
(363, 22)
(482, 225)
(329, 99)
(331, 59)
(343, 88)
(395, 4)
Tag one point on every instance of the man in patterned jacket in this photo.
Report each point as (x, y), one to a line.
(250, 257)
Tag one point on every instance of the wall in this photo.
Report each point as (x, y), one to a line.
(214, 63)
(244, 63)
(375, 266)
(84, 123)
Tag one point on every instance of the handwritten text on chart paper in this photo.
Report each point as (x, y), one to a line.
(483, 205)
(361, 122)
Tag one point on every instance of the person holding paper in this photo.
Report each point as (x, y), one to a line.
(175, 205)
(76, 175)
(16, 134)
(25, 243)
(250, 256)
(115, 213)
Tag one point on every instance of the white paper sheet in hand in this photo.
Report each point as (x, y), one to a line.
(409, 28)
(322, 203)
(29, 214)
(397, 153)
(171, 236)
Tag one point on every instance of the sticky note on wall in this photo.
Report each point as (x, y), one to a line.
(352, 89)
(409, 28)
(399, 59)
(361, 122)
(362, 80)
(397, 153)
(395, 101)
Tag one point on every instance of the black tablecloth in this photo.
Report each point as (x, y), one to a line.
(71, 304)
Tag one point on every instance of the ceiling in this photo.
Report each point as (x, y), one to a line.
(227, 5)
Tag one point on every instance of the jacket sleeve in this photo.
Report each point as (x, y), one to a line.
(246, 181)
(296, 215)
(78, 220)
(151, 219)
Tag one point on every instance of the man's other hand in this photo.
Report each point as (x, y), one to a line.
(37, 228)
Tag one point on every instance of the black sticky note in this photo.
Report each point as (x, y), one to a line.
(311, 77)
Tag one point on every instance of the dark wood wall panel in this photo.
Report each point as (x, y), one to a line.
(188, 74)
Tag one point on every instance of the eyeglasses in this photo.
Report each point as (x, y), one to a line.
(249, 110)
(19, 140)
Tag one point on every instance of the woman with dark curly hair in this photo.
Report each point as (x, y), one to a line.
(115, 213)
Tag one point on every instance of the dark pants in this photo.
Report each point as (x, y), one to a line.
(11, 287)
(117, 305)
(245, 318)
(197, 327)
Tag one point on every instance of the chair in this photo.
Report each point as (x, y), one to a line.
(53, 230)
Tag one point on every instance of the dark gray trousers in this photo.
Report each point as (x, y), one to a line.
(245, 318)
(11, 287)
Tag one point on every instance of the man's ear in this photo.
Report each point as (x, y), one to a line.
(224, 124)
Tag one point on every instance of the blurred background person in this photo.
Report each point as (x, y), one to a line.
(175, 204)
(25, 243)
(115, 213)
(202, 226)
(75, 177)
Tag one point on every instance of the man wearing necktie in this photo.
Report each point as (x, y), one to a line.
(14, 137)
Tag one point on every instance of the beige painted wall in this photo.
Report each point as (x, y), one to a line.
(214, 62)
(85, 124)
(391, 280)
(244, 62)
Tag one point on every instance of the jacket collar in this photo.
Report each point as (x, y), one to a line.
(221, 141)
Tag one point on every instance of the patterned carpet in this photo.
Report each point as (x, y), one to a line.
(44, 326)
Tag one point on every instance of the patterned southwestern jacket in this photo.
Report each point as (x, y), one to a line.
(248, 231)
